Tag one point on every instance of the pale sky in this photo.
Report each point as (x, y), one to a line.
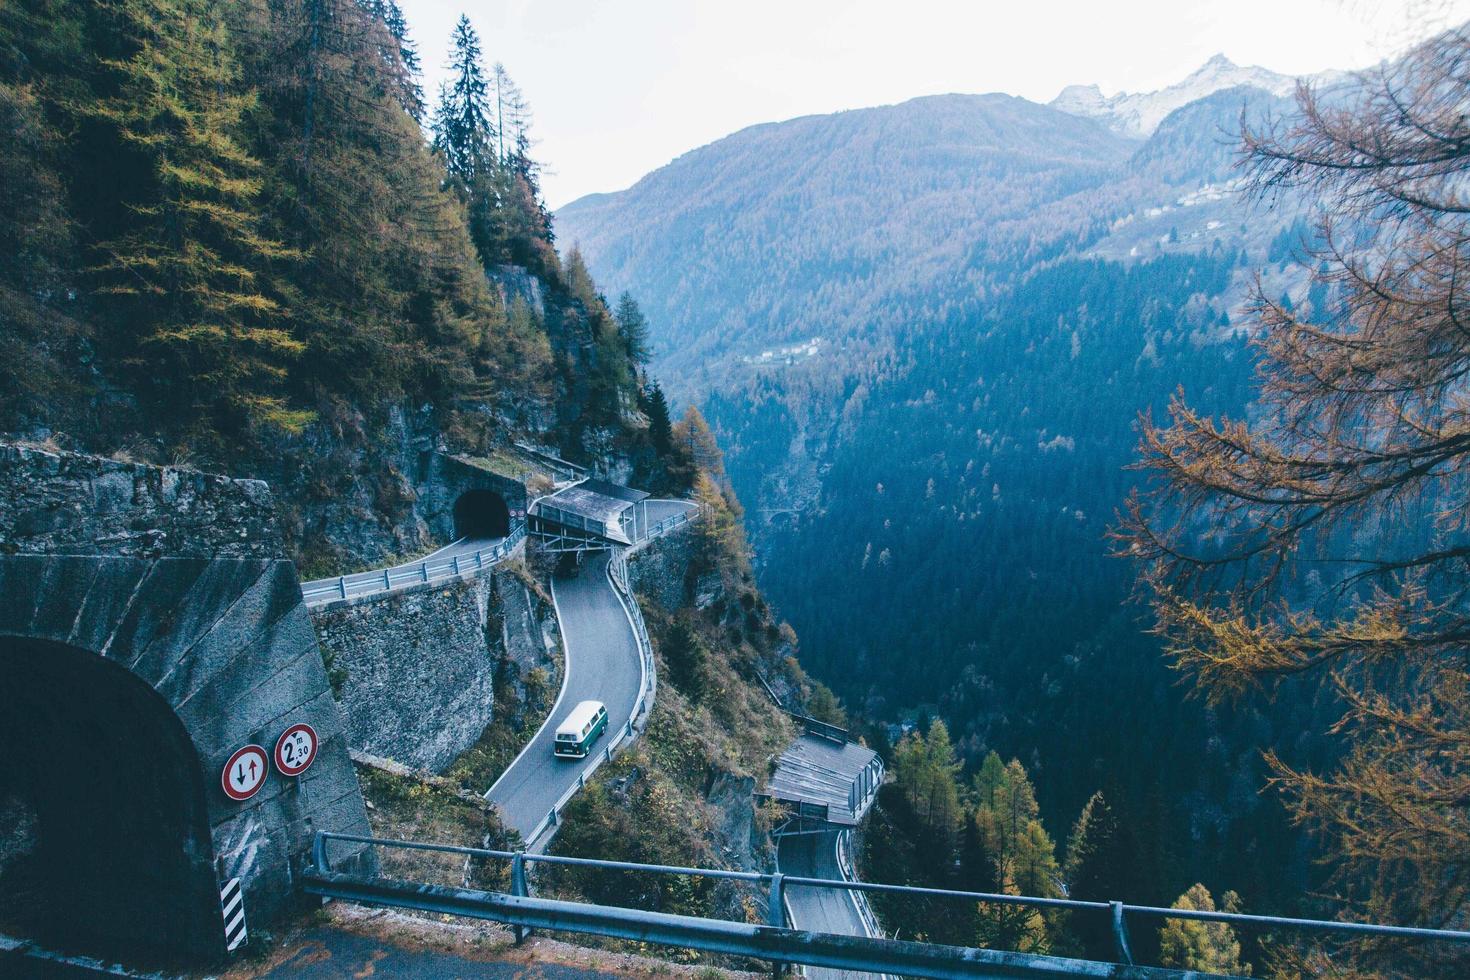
(620, 88)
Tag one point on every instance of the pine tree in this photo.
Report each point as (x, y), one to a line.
(989, 780)
(633, 328)
(977, 864)
(1210, 947)
(388, 295)
(694, 434)
(1349, 468)
(186, 268)
(578, 280)
(402, 56)
(462, 127)
(1015, 927)
(1099, 867)
(925, 769)
(1034, 863)
(37, 235)
(1013, 809)
(660, 430)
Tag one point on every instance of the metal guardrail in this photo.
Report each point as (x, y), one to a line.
(419, 573)
(665, 525)
(617, 572)
(555, 464)
(821, 729)
(844, 864)
(320, 881)
(770, 942)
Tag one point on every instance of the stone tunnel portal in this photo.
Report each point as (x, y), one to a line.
(481, 514)
(104, 839)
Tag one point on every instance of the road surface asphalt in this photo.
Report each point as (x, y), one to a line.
(602, 664)
(819, 909)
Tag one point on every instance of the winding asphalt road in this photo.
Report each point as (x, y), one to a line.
(602, 664)
(819, 909)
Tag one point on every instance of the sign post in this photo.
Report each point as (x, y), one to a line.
(244, 774)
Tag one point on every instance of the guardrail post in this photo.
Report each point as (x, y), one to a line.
(342, 585)
(424, 567)
(456, 564)
(387, 581)
(319, 852)
(518, 887)
(1120, 933)
(776, 914)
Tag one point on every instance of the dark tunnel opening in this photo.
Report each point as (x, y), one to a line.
(481, 514)
(104, 835)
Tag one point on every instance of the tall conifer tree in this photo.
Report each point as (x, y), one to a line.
(185, 268)
(462, 120)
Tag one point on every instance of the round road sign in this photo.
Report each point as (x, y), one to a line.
(244, 774)
(296, 749)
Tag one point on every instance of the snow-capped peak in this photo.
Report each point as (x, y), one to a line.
(1139, 114)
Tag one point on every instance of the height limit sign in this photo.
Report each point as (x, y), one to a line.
(245, 773)
(296, 749)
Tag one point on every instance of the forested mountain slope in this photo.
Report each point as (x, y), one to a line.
(227, 241)
(809, 229)
(235, 235)
(924, 333)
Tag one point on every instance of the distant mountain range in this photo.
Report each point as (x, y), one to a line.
(923, 333)
(807, 230)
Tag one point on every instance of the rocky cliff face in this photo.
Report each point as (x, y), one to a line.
(70, 504)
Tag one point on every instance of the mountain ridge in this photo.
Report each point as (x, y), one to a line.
(1137, 115)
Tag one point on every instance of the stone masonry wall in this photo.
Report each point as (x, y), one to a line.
(412, 670)
(69, 504)
(528, 629)
(178, 578)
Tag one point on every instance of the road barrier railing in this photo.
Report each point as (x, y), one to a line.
(413, 573)
(814, 949)
(558, 466)
(844, 863)
(666, 525)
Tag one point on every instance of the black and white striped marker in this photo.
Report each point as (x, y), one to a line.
(232, 902)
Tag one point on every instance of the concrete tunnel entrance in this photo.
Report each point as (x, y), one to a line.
(104, 839)
(481, 514)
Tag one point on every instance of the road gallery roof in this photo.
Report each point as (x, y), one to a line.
(600, 505)
(825, 772)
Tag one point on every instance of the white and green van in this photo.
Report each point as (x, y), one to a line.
(575, 735)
